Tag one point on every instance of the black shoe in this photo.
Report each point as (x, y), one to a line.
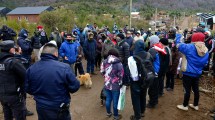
(132, 117)
(150, 106)
(29, 113)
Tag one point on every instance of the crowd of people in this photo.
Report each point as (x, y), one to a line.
(46, 67)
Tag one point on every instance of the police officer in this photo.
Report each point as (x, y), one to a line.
(50, 86)
(12, 74)
(7, 33)
(25, 45)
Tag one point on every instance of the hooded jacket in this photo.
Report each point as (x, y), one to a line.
(70, 50)
(195, 58)
(24, 43)
(50, 82)
(106, 47)
(113, 72)
(90, 49)
(123, 49)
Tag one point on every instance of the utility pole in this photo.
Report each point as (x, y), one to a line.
(130, 13)
(156, 12)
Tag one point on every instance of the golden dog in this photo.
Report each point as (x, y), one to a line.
(85, 80)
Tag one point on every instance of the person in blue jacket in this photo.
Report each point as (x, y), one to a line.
(51, 82)
(25, 45)
(194, 58)
(69, 50)
(90, 53)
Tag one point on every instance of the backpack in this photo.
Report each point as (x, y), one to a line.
(145, 68)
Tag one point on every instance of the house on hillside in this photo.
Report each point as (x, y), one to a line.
(208, 19)
(30, 14)
(135, 15)
(4, 11)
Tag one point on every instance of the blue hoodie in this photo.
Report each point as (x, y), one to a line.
(195, 61)
(50, 82)
(70, 50)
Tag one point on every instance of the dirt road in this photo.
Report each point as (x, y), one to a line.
(185, 23)
(85, 105)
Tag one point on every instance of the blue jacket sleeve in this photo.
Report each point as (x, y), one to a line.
(62, 51)
(86, 53)
(183, 48)
(24, 44)
(27, 83)
(72, 83)
(156, 63)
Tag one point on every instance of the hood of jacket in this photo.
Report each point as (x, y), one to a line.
(112, 59)
(139, 46)
(160, 48)
(201, 48)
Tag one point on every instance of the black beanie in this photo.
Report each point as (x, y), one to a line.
(164, 41)
(121, 36)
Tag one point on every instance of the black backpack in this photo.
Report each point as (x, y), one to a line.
(145, 68)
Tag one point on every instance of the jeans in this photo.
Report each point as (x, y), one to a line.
(138, 97)
(52, 114)
(170, 81)
(90, 65)
(13, 108)
(153, 92)
(188, 83)
(79, 68)
(112, 96)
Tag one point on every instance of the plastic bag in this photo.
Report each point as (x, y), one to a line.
(121, 101)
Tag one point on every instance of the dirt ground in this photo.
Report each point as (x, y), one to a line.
(85, 105)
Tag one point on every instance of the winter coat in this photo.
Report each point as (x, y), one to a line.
(25, 45)
(112, 70)
(123, 49)
(98, 47)
(36, 41)
(12, 74)
(90, 49)
(8, 34)
(196, 57)
(155, 56)
(175, 61)
(50, 82)
(69, 50)
(106, 47)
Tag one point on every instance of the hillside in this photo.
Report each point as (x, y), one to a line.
(206, 5)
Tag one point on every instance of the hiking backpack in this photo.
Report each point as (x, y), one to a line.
(145, 68)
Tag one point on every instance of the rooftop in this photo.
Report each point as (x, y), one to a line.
(29, 10)
(206, 15)
(1, 8)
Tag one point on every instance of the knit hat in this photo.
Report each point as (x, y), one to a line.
(198, 37)
(154, 39)
(53, 42)
(120, 35)
(39, 27)
(164, 41)
(7, 45)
